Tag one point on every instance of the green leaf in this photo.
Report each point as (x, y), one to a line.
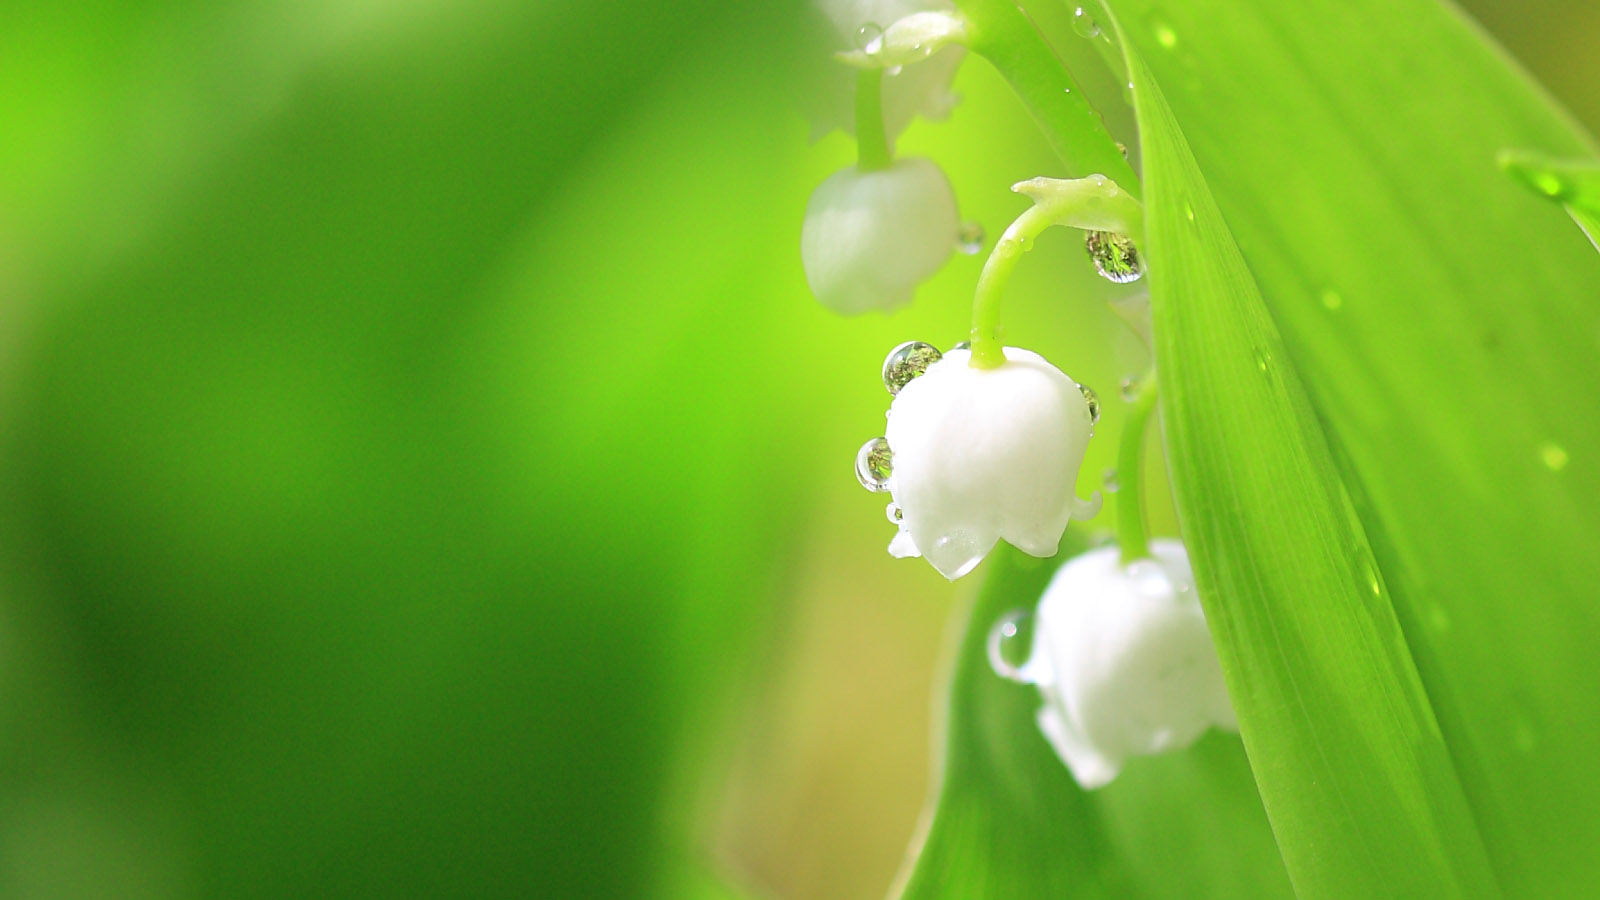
(1444, 325)
(1008, 820)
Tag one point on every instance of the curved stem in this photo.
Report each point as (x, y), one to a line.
(872, 142)
(1130, 456)
(1017, 240)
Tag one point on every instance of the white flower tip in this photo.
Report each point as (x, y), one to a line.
(869, 238)
(1125, 660)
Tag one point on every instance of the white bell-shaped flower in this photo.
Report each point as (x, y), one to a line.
(1124, 662)
(870, 237)
(918, 89)
(983, 455)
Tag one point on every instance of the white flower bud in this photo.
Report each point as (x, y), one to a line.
(982, 455)
(870, 238)
(1124, 662)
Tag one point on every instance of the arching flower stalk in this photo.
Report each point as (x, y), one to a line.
(1123, 661)
(875, 231)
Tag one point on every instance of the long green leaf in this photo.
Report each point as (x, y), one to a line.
(1352, 768)
(1446, 325)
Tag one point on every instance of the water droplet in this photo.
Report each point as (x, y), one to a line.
(906, 362)
(1128, 389)
(1263, 358)
(1090, 398)
(1113, 255)
(869, 38)
(1331, 301)
(893, 71)
(874, 465)
(1188, 211)
(1166, 37)
(1005, 643)
(1127, 93)
(962, 345)
(969, 238)
(893, 514)
(1108, 481)
(1024, 242)
(1553, 455)
(1084, 24)
(1149, 578)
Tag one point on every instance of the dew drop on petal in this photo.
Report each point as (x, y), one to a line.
(969, 239)
(1005, 644)
(1553, 455)
(1114, 256)
(1108, 481)
(874, 465)
(1093, 400)
(906, 362)
(893, 514)
(869, 38)
(1084, 24)
(1128, 389)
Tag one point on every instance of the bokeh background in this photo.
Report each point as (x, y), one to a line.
(422, 469)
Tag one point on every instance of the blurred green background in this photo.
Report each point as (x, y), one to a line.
(424, 473)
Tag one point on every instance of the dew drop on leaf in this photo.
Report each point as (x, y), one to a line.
(1006, 644)
(1084, 24)
(874, 465)
(1553, 455)
(906, 362)
(969, 239)
(1090, 398)
(1114, 256)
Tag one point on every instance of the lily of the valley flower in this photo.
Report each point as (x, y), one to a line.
(870, 237)
(1124, 662)
(910, 90)
(984, 455)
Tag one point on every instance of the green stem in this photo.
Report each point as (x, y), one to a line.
(1130, 458)
(1003, 34)
(1017, 240)
(872, 142)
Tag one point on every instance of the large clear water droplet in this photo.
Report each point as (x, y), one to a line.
(906, 362)
(869, 38)
(1084, 24)
(1007, 649)
(874, 465)
(969, 239)
(1114, 256)
(1093, 400)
